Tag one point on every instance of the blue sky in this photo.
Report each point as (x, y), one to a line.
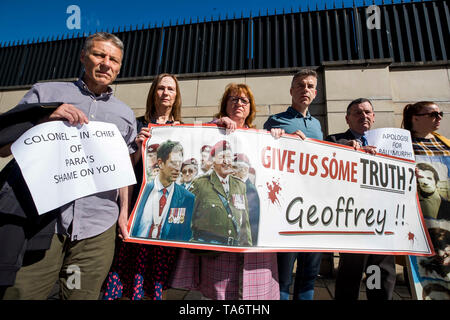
(30, 19)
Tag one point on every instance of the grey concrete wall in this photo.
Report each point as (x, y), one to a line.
(389, 88)
(409, 86)
(345, 85)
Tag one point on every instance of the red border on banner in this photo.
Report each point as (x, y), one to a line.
(201, 246)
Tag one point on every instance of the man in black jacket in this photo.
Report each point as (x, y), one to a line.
(22, 229)
(360, 118)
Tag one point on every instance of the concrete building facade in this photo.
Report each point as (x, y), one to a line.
(390, 88)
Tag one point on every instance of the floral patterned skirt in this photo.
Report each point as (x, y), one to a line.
(139, 271)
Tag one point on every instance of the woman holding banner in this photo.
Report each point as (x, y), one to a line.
(432, 155)
(230, 276)
(140, 271)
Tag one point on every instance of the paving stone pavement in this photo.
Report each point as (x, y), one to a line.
(324, 288)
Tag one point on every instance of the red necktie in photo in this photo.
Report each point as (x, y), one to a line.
(162, 204)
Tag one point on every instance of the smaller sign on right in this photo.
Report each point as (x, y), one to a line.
(391, 141)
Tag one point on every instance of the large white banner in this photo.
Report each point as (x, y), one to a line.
(61, 163)
(311, 196)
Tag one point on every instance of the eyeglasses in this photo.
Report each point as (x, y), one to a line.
(433, 114)
(244, 101)
(185, 171)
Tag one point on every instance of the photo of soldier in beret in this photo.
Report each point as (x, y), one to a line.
(221, 209)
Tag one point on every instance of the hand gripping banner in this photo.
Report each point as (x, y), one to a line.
(246, 191)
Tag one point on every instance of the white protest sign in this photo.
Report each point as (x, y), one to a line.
(61, 163)
(312, 196)
(392, 142)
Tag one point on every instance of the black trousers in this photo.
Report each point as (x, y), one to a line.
(351, 268)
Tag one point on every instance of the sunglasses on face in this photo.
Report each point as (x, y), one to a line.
(185, 171)
(244, 101)
(433, 114)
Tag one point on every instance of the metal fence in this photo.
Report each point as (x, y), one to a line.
(416, 32)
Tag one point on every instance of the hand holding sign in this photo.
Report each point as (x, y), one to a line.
(72, 162)
(392, 141)
(312, 196)
(70, 113)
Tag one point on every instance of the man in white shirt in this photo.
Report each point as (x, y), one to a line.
(165, 208)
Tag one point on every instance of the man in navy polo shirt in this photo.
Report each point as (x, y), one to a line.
(297, 120)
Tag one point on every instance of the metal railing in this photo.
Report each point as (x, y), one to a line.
(415, 32)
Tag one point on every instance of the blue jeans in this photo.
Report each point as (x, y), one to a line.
(308, 267)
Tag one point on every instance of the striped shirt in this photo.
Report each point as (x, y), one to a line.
(430, 147)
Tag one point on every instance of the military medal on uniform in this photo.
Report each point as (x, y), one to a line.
(177, 215)
(238, 201)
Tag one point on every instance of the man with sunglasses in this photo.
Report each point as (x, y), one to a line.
(189, 170)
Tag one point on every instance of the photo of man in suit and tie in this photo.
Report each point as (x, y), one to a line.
(165, 208)
(221, 207)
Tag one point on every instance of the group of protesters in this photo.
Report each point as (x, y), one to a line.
(39, 251)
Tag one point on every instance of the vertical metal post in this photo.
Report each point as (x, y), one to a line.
(329, 35)
(347, 35)
(418, 33)
(398, 34)
(359, 39)
(388, 32)
(439, 32)
(181, 54)
(408, 34)
(188, 62)
(337, 29)
(312, 59)
(174, 52)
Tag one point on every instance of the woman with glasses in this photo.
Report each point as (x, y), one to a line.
(142, 271)
(230, 276)
(431, 151)
(422, 119)
(237, 108)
